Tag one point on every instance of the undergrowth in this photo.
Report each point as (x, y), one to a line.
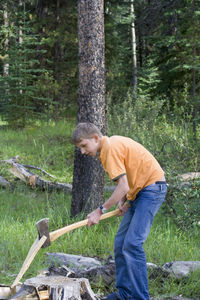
(170, 140)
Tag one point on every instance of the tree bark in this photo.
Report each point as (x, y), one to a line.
(6, 42)
(88, 177)
(134, 56)
(194, 58)
(194, 94)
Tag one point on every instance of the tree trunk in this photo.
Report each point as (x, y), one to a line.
(20, 40)
(194, 83)
(88, 177)
(6, 42)
(21, 83)
(140, 48)
(134, 50)
(57, 60)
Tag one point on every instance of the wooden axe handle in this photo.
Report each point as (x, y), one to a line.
(29, 258)
(57, 233)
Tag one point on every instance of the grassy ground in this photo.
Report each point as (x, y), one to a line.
(49, 147)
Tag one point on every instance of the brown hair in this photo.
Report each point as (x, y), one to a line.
(84, 131)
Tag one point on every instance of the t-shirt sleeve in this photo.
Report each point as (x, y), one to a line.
(115, 166)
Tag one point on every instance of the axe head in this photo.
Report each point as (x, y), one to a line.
(43, 229)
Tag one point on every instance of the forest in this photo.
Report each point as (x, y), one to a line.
(39, 58)
(131, 67)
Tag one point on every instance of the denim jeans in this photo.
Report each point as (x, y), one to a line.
(130, 259)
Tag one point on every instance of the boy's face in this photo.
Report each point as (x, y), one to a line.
(90, 146)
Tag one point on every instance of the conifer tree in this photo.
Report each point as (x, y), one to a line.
(20, 100)
(88, 177)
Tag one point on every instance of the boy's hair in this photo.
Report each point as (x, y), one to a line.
(84, 131)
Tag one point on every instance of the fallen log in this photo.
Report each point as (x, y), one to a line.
(21, 172)
(77, 266)
(3, 182)
(189, 176)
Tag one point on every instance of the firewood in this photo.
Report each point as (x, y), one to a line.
(63, 288)
(25, 293)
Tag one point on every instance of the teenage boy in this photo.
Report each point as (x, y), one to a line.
(141, 181)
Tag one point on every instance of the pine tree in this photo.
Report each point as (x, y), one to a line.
(119, 52)
(88, 177)
(20, 100)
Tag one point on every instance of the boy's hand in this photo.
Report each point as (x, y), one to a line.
(94, 217)
(123, 208)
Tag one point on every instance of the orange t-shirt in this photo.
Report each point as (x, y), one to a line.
(121, 155)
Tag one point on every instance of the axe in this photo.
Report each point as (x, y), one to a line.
(43, 227)
(45, 238)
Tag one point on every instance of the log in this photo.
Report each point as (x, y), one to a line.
(3, 182)
(25, 293)
(189, 176)
(5, 291)
(21, 172)
(79, 266)
(63, 288)
(77, 262)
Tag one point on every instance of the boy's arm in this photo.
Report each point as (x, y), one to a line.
(118, 196)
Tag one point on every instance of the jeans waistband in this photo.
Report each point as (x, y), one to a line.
(160, 182)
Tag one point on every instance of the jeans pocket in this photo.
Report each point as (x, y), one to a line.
(158, 198)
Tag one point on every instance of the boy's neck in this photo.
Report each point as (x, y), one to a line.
(101, 139)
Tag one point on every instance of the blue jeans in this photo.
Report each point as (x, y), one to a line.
(130, 259)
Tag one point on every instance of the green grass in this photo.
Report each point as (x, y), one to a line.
(21, 209)
(170, 242)
(49, 147)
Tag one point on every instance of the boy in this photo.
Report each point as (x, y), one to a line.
(140, 179)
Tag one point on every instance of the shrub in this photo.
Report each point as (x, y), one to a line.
(183, 205)
(171, 141)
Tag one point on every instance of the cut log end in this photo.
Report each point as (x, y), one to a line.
(56, 288)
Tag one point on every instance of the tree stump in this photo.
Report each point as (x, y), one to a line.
(62, 288)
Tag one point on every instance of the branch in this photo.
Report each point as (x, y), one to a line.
(40, 169)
